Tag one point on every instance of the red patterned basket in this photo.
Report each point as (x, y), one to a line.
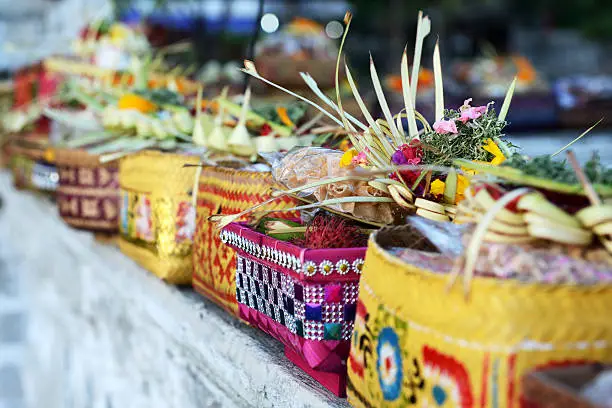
(226, 190)
(305, 298)
(88, 192)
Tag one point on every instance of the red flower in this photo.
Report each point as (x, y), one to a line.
(265, 130)
(413, 152)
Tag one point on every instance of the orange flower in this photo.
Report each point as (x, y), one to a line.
(345, 145)
(526, 71)
(136, 102)
(49, 155)
(426, 78)
(394, 82)
(284, 117)
(304, 25)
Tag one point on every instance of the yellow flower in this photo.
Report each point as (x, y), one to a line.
(462, 184)
(136, 102)
(437, 187)
(494, 149)
(49, 155)
(118, 32)
(347, 157)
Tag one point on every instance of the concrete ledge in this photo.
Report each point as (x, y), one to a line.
(102, 332)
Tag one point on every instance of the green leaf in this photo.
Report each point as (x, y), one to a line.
(506, 105)
(450, 187)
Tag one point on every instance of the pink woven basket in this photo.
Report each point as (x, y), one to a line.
(305, 298)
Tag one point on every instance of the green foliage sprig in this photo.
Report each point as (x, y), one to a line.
(442, 149)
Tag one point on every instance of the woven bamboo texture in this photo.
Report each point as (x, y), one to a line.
(225, 190)
(417, 344)
(157, 217)
(88, 192)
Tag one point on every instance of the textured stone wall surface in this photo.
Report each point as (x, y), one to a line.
(100, 332)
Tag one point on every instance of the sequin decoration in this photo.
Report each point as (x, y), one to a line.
(313, 311)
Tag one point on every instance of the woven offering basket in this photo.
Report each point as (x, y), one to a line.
(157, 219)
(305, 298)
(88, 191)
(224, 190)
(416, 343)
(29, 164)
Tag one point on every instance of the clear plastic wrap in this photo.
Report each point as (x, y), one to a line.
(535, 262)
(303, 166)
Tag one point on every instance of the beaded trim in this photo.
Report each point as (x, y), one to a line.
(287, 260)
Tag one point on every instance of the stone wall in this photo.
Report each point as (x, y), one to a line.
(100, 332)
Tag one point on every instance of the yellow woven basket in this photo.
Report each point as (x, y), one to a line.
(157, 218)
(417, 344)
(224, 190)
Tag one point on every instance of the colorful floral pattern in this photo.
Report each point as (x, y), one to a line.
(144, 220)
(185, 223)
(361, 342)
(448, 381)
(389, 364)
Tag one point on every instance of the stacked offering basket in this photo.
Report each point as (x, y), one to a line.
(157, 220)
(225, 190)
(305, 298)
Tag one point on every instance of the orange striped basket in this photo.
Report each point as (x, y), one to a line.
(224, 190)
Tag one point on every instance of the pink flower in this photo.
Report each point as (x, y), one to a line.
(445, 126)
(468, 112)
(360, 159)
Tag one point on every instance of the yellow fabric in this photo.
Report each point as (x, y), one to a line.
(504, 330)
(161, 179)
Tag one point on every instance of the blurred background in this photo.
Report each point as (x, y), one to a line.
(561, 52)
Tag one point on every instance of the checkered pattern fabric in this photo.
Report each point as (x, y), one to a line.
(313, 311)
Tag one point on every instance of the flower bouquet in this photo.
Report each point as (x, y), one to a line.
(408, 170)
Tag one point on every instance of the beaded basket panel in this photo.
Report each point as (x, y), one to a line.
(323, 311)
